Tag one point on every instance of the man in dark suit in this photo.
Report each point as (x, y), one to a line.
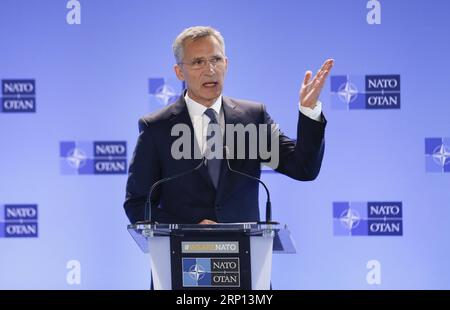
(212, 193)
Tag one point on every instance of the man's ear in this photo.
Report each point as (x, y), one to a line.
(178, 72)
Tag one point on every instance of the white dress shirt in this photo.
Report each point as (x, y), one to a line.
(312, 113)
(200, 121)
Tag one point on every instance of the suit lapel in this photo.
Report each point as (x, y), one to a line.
(232, 116)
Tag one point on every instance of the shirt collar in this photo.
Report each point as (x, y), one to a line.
(197, 109)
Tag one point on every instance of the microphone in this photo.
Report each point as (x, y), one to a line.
(268, 203)
(148, 203)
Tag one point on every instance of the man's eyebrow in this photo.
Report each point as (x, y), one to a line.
(212, 56)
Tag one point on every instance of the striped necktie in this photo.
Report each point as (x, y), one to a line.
(213, 163)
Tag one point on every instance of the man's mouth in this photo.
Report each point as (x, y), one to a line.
(210, 84)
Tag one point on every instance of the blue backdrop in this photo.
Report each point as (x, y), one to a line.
(378, 215)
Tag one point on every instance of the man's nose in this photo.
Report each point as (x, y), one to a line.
(210, 69)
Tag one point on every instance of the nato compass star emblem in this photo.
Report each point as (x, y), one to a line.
(441, 154)
(164, 94)
(350, 219)
(348, 92)
(76, 158)
(197, 272)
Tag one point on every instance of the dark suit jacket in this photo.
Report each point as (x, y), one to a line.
(192, 198)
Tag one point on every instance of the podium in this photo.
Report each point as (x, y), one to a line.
(219, 256)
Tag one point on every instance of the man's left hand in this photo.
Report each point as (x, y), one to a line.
(310, 90)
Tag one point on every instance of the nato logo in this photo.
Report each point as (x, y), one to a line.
(163, 91)
(210, 272)
(437, 155)
(369, 92)
(18, 221)
(93, 157)
(373, 218)
(18, 96)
